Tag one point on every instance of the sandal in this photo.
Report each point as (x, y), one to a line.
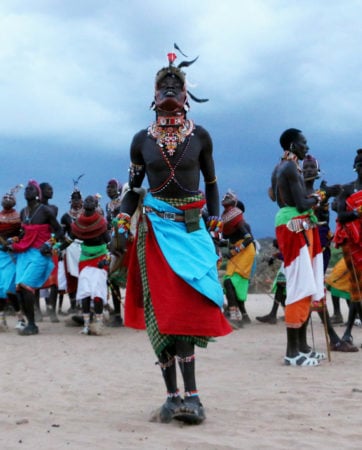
(167, 411)
(191, 412)
(343, 346)
(316, 355)
(301, 360)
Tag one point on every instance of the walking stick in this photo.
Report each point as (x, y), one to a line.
(324, 311)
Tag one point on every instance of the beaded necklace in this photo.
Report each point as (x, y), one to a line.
(290, 156)
(27, 217)
(169, 137)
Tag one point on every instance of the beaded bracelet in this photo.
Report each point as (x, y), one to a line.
(122, 223)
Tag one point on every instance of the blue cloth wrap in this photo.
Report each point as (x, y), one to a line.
(7, 273)
(191, 256)
(32, 268)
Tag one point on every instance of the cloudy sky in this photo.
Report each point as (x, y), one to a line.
(77, 80)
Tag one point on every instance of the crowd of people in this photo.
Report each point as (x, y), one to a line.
(165, 246)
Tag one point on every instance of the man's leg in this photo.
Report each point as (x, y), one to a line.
(337, 315)
(191, 410)
(53, 295)
(27, 301)
(354, 310)
(116, 299)
(97, 325)
(279, 298)
(86, 315)
(167, 363)
(296, 320)
(234, 316)
(3, 324)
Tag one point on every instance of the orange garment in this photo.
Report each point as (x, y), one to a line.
(297, 313)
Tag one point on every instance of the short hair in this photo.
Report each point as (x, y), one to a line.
(288, 136)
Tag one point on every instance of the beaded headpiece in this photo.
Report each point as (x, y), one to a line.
(311, 158)
(36, 185)
(171, 69)
(13, 191)
(76, 194)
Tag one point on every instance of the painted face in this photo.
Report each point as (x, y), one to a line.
(299, 146)
(170, 94)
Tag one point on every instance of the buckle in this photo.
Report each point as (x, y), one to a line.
(169, 215)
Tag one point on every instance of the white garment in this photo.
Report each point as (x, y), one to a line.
(62, 279)
(92, 282)
(72, 255)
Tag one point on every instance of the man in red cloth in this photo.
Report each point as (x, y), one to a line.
(172, 284)
(348, 236)
(299, 243)
(34, 255)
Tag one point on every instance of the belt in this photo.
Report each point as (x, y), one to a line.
(298, 225)
(165, 215)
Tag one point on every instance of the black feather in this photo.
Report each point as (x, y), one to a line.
(198, 100)
(187, 63)
(178, 48)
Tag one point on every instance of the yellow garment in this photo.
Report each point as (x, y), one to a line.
(242, 262)
(339, 278)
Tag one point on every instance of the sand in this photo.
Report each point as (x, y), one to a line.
(63, 390)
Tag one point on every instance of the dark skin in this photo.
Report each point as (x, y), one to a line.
(8, 203)
(288, 189)
(347, 190)
(37, 214)
(310, 174)
(345, 216)
(89, 208)
(288, 186)
(197, 160)
(47, 194)
(184, 180)
(66, 220)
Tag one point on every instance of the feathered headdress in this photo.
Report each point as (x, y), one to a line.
(176, 70)
(76, 194)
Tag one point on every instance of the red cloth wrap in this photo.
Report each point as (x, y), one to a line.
(89, 227)
(179, 309)
(53, 277)
(34, 237)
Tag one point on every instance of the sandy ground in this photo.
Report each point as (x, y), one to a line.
(63, 390)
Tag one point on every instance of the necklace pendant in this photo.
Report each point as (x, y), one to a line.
(171, 150)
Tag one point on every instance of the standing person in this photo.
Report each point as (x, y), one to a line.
(240, 263)
(34, 262)
(173, 257)
(51, 284)
(311, 171)
(299, 243)
(10, 226)
(348, 236)
(91, 228)
(72, 253)
(114, 191)
(278, 289)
